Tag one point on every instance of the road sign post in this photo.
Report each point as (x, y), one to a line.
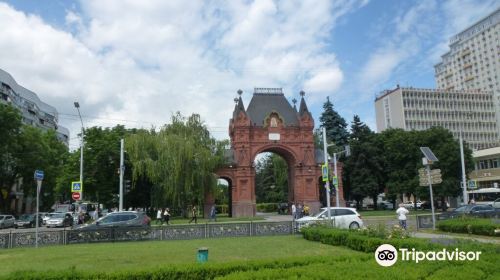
(429, 159)
(39, 178)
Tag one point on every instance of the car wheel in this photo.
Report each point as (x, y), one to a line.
(354, 225)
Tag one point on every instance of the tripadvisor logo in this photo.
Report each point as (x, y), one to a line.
(387, 255)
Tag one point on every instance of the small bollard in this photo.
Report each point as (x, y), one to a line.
(202, 255)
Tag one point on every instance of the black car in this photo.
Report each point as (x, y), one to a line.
(473, 210)
(120, 219)
(28, 220)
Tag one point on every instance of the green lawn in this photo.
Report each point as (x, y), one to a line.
(112, 257)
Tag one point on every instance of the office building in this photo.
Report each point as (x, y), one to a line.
(34, 112)
(470, 111)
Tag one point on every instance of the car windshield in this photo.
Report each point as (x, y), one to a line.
(2, 217)
(464, 208)
(57, 216)
(25, 217)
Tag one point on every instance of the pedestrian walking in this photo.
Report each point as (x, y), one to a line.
(166, 216)
(299, 211)
(402, 212)
(158, 215)
(213, 213)
(294, 211)
(194, 215)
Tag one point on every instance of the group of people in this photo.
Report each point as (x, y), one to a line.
(299, 211)
(163, 216)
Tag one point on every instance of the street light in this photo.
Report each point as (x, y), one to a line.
(77, 106)
(347, 151)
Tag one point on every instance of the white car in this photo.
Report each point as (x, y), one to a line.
(411, 205)
(343, 217)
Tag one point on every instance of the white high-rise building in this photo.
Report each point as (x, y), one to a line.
(34, 112)
(469, 111)
(473, 61)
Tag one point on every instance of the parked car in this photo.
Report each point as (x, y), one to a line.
(7, 221)
(437, 205)
(60, 220)
(343, 217)
(496, 204)
(28, 220)
(386, 205)
(481, 211)
(47, 217)
(120, 219)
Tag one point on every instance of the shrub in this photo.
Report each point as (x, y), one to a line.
(471, 226)
(267, 207)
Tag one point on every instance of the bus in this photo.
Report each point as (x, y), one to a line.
(484, 196)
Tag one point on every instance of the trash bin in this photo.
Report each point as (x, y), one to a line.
(202, 255)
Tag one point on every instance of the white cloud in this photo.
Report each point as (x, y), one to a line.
(144, 60)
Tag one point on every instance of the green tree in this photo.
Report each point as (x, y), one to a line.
(271, 179)
(364, 168)
(10, 129)
(335, 125)
(179, 161)
(447, 150)
(101, 166)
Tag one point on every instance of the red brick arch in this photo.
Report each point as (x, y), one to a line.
(289, 134)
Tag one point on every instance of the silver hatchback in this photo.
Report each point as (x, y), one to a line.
(7, 221)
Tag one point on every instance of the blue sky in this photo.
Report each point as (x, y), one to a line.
(137, 62)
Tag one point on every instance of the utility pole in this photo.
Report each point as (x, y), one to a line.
(327, 183)
(122, 170)
(77, 106)
(337, 199)
(464, 178)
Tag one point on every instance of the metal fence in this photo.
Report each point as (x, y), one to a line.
(173, 232)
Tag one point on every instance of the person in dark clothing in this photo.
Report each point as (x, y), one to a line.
(194, 215)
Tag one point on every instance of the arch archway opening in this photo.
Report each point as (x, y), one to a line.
(273, 181)
(223, 196)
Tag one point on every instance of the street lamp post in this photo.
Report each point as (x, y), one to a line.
(327, 183)
(77, 106)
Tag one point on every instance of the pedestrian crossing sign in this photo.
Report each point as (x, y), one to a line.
(76, 186)
(324, 172)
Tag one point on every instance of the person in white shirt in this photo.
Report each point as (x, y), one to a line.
(294, 211)
(402, 212)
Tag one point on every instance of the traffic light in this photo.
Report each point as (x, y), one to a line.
(128, 186)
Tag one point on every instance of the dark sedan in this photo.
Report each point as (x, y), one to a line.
(481, 211)
(28, 220)
(120, 219)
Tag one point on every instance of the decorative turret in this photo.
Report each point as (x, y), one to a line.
(238, 105)
(303, 107)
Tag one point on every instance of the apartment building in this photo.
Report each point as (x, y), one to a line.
(469, 111)
(34, 112)
(473, 61)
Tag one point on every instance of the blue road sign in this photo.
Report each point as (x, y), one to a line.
(39, 175)
(472, 184)
(76, 186)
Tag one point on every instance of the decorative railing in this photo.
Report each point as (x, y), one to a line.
(16, 239)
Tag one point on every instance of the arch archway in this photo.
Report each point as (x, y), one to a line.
(271, 124)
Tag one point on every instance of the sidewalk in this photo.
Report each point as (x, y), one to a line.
(448, 236)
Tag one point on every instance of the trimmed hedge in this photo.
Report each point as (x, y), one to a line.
(359, 241)
(267, 207)
(471, 226)
(191, 271)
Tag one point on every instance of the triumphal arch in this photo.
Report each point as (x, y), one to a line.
(272, 124)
